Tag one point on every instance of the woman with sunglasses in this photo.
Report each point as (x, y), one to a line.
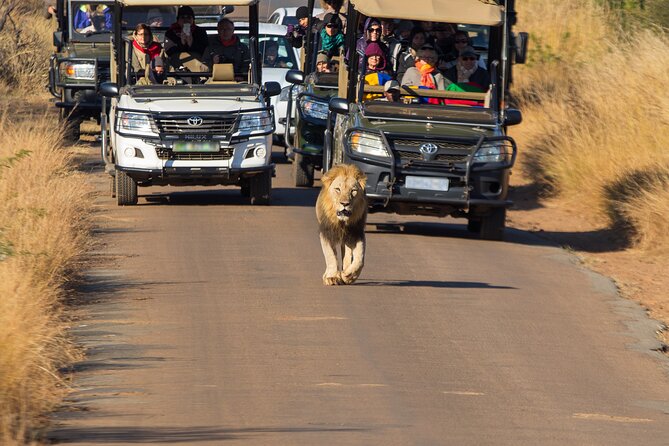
(467, 71)
(372, 34)
(332, 37)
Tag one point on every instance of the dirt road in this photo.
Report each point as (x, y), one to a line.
(208, 324)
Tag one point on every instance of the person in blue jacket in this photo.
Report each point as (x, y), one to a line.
(91, 18)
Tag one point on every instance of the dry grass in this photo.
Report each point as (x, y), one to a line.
(597, 114)
(43, 231)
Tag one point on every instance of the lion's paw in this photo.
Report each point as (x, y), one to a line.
(349, 278)
(332, 280)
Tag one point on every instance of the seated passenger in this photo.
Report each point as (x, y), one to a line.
(322, 63)
(184, 36)
(271, 55)
(375, 70)
(92, 18)
(424, 73)
(157, 71)
(372, 34)
(144, 49)
(468, 71)
(407, 58)
(227, 48)
(155, 18)
(332, 38)
(391, 91)
(460, 40)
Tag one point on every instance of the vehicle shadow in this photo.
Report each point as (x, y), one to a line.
(169, 435)
(283, 197)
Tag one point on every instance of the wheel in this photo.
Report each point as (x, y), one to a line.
(112, 186)
(260, 188)
(246, 188)
(126, 189)
(303, 171)
(492, 225)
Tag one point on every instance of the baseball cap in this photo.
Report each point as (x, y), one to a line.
(391, 85)
(468, 51)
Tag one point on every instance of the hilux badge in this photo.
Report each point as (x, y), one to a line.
(195, 121)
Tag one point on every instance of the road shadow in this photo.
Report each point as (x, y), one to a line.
(432, 284)
(281, 197)
(172, 435)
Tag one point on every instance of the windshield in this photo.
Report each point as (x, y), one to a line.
(91, 21)
(275, 51)
(155, 17)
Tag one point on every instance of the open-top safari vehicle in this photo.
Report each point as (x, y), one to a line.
(201, 126)
(433, 152)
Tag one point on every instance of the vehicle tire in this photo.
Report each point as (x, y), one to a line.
(245, 188)
(126, 189)
(261, 188)
(112, 186)
(492, 225)
(303, 171)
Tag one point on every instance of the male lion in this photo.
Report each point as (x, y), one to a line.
(341, 210)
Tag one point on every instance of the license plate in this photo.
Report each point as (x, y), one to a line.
(195, 146)
(426, 183)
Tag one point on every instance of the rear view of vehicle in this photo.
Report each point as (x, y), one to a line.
(197, 128)
(430, 151)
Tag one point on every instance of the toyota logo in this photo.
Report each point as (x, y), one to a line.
(195, 121)
(429, 149)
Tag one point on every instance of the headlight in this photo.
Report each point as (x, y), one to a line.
(367, 144)
(314, 109)
(78, 71)
(255, 123)
(490, 154)
(137, 122)
(285, 92)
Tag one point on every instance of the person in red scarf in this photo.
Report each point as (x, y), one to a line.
(229, 49)
(184, 36)
(424, 73)
(144, 49)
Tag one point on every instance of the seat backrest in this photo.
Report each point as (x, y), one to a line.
(222, 73)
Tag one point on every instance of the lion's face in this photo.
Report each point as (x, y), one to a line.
(345, 192)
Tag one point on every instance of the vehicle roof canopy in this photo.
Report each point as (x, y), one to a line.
(188, 3)
(478, 12)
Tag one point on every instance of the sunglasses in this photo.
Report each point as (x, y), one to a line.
(331, 25)
(374, 30)
(468, 58)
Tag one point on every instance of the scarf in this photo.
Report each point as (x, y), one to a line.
(464, 74)
(329, 43)
(230, 42)
(426, 77)
(153, 50)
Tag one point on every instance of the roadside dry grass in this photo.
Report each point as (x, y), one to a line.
(594, 141)
(44, 206)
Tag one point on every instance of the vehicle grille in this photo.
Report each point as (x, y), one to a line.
(448, 152)
(209, 126)
(167, 154)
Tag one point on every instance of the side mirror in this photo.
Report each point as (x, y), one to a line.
(512, 116)
(58, 39)
(520, 47)
(295, 77)
(272, 88)
(229, 9)
(109, 89)
(338, 105)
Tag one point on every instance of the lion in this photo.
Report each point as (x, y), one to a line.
(341, 211)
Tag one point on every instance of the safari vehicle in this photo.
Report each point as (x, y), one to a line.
(310, 96)
(197, 128)
(432, 159)
(80, 62)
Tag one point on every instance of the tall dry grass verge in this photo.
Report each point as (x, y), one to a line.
(25, 48)
(597, 114)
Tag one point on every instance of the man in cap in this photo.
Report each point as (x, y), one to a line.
(391, 91)
(184, 36)
(295, 35)
(468, 71)
(322, 63)
(227, 48)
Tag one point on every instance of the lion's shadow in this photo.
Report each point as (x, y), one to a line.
(431, 284)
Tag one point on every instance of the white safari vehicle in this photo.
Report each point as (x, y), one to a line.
(202, 126)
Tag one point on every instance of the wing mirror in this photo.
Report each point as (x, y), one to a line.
(272, 89)
(295, 77)
(520, 47)
(338, 105)
(58, 39)
(109, 89)
(512, 116)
